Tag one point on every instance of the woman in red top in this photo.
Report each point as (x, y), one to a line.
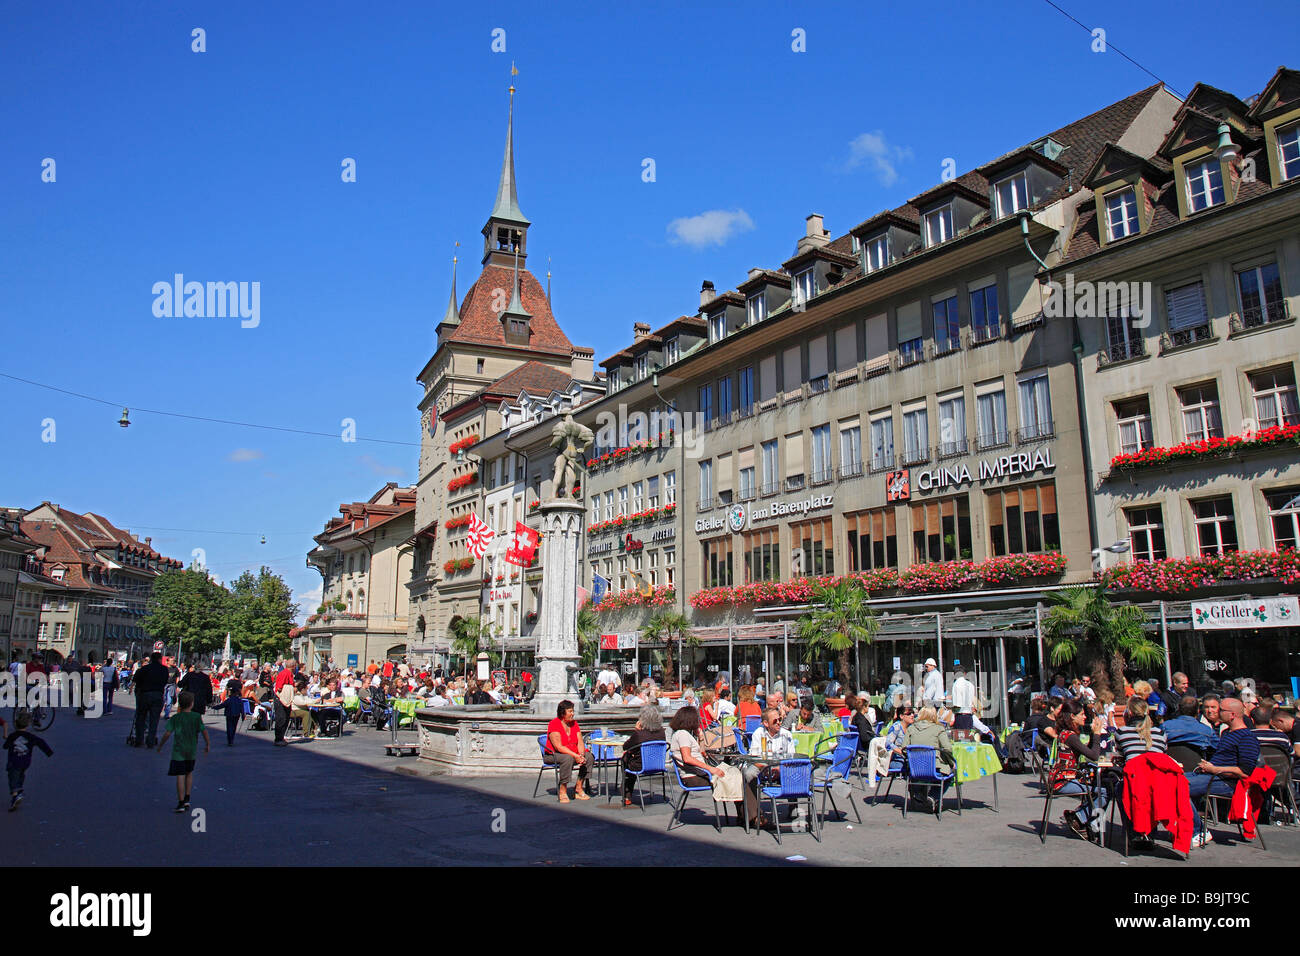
(746, 706)
(564, 750)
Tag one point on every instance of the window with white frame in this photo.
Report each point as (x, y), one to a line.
(1275, 397)
(984, 313)
(756, 308)
(947, 325)
(1288, 151)
(1035, 407)
(805, 285)
(609, 506)
(1260, 292)
(622, 500)
(916, 435)
(1201, 418)
(1284, 516)
(724, 398)
(717, 327)
(771, 466)
(1185, 306)
(1012, 195)
(638, 488)
(850, 450)
(877, 253)
(595, 509)
(672, 351)
(747, 490)
(652, 491)
(1204, 184)
(1122, 214)
(1216, 528)
(1123, 338)
(991, 416)
(882, 442)
(1146, 533)
(821, 454)
(670, 565)
(642, 367)
(706, 483)
(938, 226)
(952, 424)
(746, 381)
(1133, 418)
(670, 488)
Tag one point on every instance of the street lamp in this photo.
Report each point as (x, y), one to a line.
(1119, 547)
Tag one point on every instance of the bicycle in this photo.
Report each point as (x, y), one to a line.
(42, 717)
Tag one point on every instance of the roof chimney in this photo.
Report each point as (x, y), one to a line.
(707, 293)
(639, 331)
(148, 542)
(815, 235)
(814, 225)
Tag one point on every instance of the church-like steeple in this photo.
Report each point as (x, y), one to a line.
(514, 317)
(451, 318)
(506, 230)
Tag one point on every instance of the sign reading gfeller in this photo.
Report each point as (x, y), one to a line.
(1258, 612)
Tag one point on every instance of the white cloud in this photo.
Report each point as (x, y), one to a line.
(712, 228)
(872, 149)
(308, 601)
(379, 468)
(244, 454)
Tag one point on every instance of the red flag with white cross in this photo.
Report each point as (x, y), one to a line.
(523, 546)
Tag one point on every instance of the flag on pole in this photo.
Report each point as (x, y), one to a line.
(599, 586)
(643, 587)
(479, 537)
(523, 546)
(583, 596)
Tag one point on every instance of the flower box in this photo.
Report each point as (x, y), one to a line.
(1186, 575)
(1210, 448)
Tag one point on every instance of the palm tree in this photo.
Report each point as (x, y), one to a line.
(838, 621)
(1084, 625)
(470, 636)
(668, 628)
(588, 634)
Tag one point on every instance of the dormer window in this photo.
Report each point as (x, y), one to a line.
(877, 253)
(519, 328)
(938, 226)
(1121, 214)
(717, 327)
(642, 366)
(756, 308)
(1204, 185)
(672, 351)
(1012, 195)
(805, 285)
(1288, 152)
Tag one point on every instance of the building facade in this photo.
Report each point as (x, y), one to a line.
(364, 558)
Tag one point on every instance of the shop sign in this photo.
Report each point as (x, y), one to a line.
(1259, 612)
(502, 594)
(601, 548)
(664, 534)
(737, 516)
(631, 545)
(988, 469)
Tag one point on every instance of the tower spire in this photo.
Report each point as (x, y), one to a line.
(516, 306)
(452, 316)
(507, 204)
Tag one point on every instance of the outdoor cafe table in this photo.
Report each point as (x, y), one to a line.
(405, 707)
(806, 741)
(607, 751)
(976, 761)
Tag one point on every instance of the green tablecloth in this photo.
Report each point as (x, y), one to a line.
(351, 703)
(405, 707)
(806, 742)
(975, 760)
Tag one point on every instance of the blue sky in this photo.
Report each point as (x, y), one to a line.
(225, 166)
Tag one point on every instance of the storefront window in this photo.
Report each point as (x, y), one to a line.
(762, 556)
(941, 530)
(1023, 520)
(717, 562)
(813, 541)
(873, 539)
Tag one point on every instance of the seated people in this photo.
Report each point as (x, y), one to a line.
(1139, 733)
(927, 731)
(1188, 728)
(885, 748)
(301, 701)
(1234, 760)
(723, 705)
(649, 726)
(1063, 776)
(746, 705)
(565, 750)
(803, 718)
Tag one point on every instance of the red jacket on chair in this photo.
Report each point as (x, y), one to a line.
(1155, 793)
(1248, 797)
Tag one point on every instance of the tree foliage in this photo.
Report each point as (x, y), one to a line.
(1084, 625)
(261, 615)
(189, 609)
(469, 637)
(669, 629)
(840, 618)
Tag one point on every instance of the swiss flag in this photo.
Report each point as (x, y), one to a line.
(523, 546)
(609, 642)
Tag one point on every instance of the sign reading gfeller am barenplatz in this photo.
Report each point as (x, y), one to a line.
(1258, 612)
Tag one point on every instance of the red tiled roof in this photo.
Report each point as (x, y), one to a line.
(534, 377)
(480, 325)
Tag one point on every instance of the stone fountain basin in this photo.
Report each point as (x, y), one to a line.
(487, 739)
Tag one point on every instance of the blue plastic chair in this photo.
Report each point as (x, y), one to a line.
(742, 740)
(841, 768)
(796, 785)
(923, 771)
(654, 763)
(541, 745)
(847, 721)
(752, 724)
(686, 793)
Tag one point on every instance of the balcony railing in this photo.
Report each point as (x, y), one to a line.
(993, 440)
(988, 332)
(882, 463)
(822, 476)
(1041, 431)
(769, 488)
(850, 469)
(912, 355)
(794, 483)
(945, 347)
(876, 368)
(821, 383)
(746, 493)
(1121, 352)
(1181, 338)
(1257, 317)
(916, 456)
(951, 449)
(705, 504)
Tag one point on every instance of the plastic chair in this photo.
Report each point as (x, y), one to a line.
(847, 721)
(687, 790)
(1283, 791)
(796, 785)
(923, 771)
(897, 768)
(654, 756)
(541, 745)
(752, 723)
(841, 768)
(742, 740)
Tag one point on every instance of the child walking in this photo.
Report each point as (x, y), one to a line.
(20, 744)
(233, 707)
(185, 726)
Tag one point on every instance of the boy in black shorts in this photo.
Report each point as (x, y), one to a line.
(186, 726)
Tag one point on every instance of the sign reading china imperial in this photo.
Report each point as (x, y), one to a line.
(1260, 612)
(737, 516)
(989, 469)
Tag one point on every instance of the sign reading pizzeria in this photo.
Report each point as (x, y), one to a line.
(1258, 612)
